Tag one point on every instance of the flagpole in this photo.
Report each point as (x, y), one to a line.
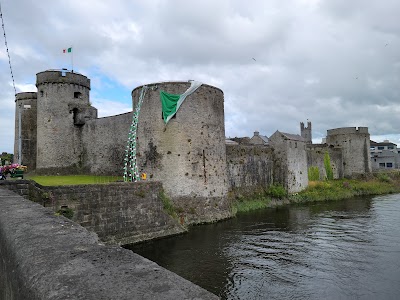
(72, 59)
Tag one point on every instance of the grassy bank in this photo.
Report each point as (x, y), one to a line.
(73, 179)
(378, 184)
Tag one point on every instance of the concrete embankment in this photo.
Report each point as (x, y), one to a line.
(43, 256)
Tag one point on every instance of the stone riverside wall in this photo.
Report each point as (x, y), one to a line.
(120, 213)
(249, 168)
(43, 256)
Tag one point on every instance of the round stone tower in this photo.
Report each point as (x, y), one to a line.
(355, 144)
(25, 137)
(188, 154)
(62, 99)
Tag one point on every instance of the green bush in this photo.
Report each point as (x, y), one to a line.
(66, 212)
(313, 173)
(277, 191)
(384, 177)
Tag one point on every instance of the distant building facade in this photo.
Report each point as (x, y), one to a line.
(384, 155)
(259, 139)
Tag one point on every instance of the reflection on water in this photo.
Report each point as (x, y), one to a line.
(337, 250)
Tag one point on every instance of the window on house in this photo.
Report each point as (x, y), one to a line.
(77, 95)
(389, 165)
(390, 147)
(371, 148)
(381, 147)
(381, 165)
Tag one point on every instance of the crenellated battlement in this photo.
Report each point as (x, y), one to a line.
(25, 96)
(62, 76)
(347, 130)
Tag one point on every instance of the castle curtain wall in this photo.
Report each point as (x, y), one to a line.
(315, 158)
(104, 144)
(250, 168)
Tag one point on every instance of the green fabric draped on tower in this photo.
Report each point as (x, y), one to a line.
(172, 102)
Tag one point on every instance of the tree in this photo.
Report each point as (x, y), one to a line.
(328, 167)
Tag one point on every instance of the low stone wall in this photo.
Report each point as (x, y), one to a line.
(120, 213)
(43, 256)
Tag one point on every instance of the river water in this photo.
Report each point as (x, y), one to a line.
(346, 249)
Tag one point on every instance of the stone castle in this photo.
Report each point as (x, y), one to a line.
(199, 169)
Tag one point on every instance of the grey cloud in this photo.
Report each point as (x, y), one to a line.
(336, 63)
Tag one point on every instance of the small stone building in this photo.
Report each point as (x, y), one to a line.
(259, 139)
(290, 160)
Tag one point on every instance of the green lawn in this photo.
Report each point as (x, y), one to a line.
(73, 179)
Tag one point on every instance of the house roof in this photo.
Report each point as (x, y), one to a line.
(264, 138)
(294, 137)
(230, 142)
(374, 144)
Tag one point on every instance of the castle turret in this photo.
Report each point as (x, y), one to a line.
(306, 132)
(25, 129)
(62, 108)
(188, 154)
(355, 143)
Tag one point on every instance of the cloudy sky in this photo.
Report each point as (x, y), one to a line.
(333, 62)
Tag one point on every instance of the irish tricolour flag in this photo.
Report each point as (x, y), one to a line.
(68, 50)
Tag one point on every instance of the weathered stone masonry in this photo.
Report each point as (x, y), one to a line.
(119, 213)
(43, 256)
(188, 155)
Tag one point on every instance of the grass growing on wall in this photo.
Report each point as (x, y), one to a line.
(167, 205)
(73, 179)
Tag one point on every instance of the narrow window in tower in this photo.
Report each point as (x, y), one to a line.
(78, 95)
(41, 93)
(75, 112)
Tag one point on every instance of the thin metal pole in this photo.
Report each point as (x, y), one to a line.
(19, 136)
